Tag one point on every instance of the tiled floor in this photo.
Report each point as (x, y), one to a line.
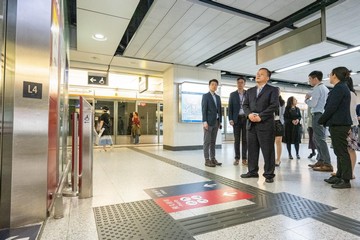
(122, 175)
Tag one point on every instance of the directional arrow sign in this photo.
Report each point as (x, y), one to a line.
(230, 194)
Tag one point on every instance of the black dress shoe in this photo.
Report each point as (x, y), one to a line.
(297, 156)
(209, 163)
(269, 180)
(249, 175)
(214, 161)
(332, 180)
(341, 184)
(291, 157)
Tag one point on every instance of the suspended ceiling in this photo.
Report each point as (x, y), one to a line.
(189, 32)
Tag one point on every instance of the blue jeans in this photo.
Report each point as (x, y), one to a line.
(320, 139)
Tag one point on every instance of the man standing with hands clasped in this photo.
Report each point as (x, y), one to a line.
(211, 118)
(260, 104)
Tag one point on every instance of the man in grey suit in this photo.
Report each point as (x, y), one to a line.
(260, 104)
(237, 119)
(211, 118)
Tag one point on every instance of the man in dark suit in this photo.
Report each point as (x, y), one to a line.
(211, 118)
(237, 119)
(259, 105)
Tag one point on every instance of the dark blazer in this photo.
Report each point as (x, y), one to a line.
(337, 107)
(210, 110)
(265, 105)
(234, 106)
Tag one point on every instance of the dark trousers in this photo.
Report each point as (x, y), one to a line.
(264, 140)
(297, 146)
(210, 141)
(339, 142)
(240, 132)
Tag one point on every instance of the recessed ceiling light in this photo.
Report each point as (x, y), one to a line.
(208, 64)
(223, 73)
(99, 37)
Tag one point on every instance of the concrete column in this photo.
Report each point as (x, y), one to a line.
(183, 136)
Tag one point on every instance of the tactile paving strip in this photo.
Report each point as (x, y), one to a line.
(266, 204)
(137, 220)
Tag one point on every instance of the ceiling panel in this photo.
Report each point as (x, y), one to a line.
(172, 17)
(175, 32)
(234, 31)
(90, 57)
(154, 16)
(272, 9)
(122, 9)
(138, 63)
(343, 20)
(167, 54)
(90, 23)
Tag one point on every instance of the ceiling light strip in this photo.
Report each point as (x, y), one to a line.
(292, 67)
(350, 50)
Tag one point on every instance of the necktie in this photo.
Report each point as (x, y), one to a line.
(258, 91)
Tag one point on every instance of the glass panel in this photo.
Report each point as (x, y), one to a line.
(147, 115)
(124, 110)
(74, 105)
(160, 120)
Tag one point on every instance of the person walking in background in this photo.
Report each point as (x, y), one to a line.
(237, 119)
(316, 100)
(279, 129)
(105, 138)
(259, 106)
(337, 117)
(292, 117)
(211, 118)
(136, 127)
(311, 144)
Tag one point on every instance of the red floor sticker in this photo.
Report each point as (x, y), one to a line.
(200, 199)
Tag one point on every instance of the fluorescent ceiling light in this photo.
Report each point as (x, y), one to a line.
(292, 67)
(354, 49)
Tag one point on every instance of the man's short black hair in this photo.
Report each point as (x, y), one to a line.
(213, 80)
(316, 74)
(241, 78)
(267, 70)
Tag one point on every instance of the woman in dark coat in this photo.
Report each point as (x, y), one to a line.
(292, 135)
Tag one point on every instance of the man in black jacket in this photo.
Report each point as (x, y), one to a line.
(337, 117)
(260, 104)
